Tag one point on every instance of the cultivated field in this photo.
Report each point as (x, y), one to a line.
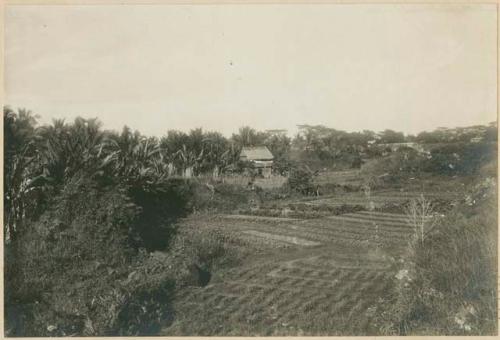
(338, 177)
(298, 291)
(312, 276)
(375, 199)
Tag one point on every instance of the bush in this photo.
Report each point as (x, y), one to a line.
(85, 233)
(78, 270)
(208, 249)
(301, 180)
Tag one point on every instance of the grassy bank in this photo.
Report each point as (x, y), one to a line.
(446, 284)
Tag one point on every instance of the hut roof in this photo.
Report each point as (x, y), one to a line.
(256, 153)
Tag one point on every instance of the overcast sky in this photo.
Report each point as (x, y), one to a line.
(352, 67)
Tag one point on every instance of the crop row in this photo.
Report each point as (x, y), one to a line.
(285, 296)
(331, 227)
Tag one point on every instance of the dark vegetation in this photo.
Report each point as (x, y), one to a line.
(92, 244)
(463, 160)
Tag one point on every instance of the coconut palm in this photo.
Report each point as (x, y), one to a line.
(248, 136)
(189, 160)
(19, 169)
(136, 160)
(216, 149)
(69, 149)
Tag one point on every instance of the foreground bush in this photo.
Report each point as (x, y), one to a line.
(74, 271)
(84, 236)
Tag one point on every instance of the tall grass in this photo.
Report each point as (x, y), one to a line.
(447, 284)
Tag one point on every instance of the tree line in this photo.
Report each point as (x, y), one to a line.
(40, 159)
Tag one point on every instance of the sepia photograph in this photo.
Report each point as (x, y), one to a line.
(250, 169)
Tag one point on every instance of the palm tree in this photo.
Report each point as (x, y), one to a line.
(19, 166)
(216, 150)
(69, 149)
(136, 160)
(189, 160)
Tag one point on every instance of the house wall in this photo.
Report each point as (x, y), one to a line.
(267, 172)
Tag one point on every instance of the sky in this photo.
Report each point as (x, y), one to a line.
(352, 67)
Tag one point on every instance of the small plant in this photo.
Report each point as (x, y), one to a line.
(419, 214)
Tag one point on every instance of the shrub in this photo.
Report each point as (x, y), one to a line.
(206, 248)
(85, 232)
(301, 180)
(78, 270)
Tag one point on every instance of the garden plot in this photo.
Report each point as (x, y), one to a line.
(375, 200)
(338, 290)
(267, 229)
(339, 177)
(370, 229)
(299, 211)
(330, 278)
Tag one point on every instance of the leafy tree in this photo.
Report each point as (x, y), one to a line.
(279, 144)
(219, 153)
(390, 136)
(329, 147)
